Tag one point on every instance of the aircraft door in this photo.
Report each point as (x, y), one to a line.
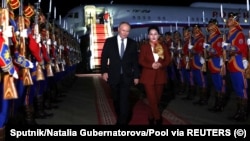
(90, 14)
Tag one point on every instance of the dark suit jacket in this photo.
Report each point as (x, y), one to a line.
(150, 76)
(129, 62)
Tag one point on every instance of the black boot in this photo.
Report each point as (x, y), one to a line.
(203, 98)
(29, 115)
(60, 89)
(237, 113)
(216, 104)
(222, 102)
(243, 115)
(48, 100)
(191, 93)
(2, 134)
(219, 103)
(54, 94)
(39, 107)
(182, 89)
(40, 112)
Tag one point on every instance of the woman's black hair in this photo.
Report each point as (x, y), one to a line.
(153, 27)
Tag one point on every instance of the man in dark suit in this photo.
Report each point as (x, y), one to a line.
(119, 67)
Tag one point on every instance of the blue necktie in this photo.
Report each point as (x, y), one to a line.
(122, 51)
(122, 48)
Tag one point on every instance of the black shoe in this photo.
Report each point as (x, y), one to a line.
(213, 109)
(151, 121)
(203, 102)
(235, 117)
(240, 117)
(181, 92)
(217, 109)
(40, 115)
(187, 98)
(158, 122)
(48, 114)
(31, 122)
(200, 102)
(62, 95)
(56, 101)
(197, 102)
(50, 106)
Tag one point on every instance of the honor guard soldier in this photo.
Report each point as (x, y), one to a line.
(170, 68)
(198, 63)
(186, 59)
(22, 65)
(177, 42)
(215, 64)
(8, 72)
(236, 46)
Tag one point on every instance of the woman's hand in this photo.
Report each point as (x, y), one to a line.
(156, 65)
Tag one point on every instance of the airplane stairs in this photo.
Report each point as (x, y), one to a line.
(100, 34)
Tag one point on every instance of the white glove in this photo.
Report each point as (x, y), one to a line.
(8, 31)
(205, 45)
(187, 58)
(63, 62)
(55, 43)
(179, 48)
(17, 33)
(245, 63)
(24, 33)
(38, 38)
(43, 66)
(15, 75)
(190, 46)
(224, 44)
(178, 60)
(221, 61)
(49, 42)
(202, 60)
(172, 45)
(40, 63)
(61, 47)
(248, 41)
(31, 65)
(172, 48)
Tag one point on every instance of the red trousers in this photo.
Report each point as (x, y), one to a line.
(154, 93)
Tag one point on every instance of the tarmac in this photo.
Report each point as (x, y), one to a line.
(78, 107)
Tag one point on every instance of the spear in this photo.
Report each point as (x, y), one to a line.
(204, 67)
(224, 54)
(248, 43)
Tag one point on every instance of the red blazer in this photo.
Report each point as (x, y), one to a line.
(150, 76)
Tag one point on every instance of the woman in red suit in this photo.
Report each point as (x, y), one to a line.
(154, 57)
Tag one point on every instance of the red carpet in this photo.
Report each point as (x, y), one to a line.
(105, 109)
(100, 34)
(106, 113)
(140, 115)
